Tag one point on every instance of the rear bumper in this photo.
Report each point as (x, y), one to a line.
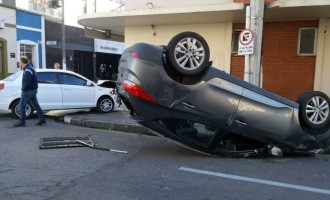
(5, 102)
(4, 106)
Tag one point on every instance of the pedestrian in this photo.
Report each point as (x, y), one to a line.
(29, 92)
(102, 72)
(110, 72)
(57, 66)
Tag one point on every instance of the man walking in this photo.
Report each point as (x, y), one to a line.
(29, 92)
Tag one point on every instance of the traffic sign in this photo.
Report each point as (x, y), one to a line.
(245, 44)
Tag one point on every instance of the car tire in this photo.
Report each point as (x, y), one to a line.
(188, 54)
(105, 105)
(314, 110)
(28, 110)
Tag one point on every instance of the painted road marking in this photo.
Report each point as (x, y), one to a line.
(255, 180)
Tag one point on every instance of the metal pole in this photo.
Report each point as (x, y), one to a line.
(247, 57)
(63, 38)
(257, 19)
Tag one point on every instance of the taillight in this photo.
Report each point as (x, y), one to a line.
(137, 91)
(134, 54)
(2, 85)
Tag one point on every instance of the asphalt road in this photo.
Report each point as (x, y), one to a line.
(153, 169)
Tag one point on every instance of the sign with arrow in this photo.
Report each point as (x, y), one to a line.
(245, 44)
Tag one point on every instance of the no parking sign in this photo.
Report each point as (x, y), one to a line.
(245, 44)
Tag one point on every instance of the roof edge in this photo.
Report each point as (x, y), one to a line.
(163, 11)
(298, 3)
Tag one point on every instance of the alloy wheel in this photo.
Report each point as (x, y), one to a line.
(317, 110)
(189, 53)
(106, 105)
(28, 110)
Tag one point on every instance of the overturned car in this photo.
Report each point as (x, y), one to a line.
(174, 91)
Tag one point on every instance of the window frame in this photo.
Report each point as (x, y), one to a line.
(56, 74)
(315, 41)
(72, 75)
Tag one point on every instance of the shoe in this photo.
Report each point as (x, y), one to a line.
(19, 124)
(41, 122)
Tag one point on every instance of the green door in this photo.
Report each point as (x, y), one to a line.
(1, 62)
(3, 58)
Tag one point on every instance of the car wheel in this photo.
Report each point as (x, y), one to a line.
(105, 104)
(16, 111)
(188, 54)
(314, 109)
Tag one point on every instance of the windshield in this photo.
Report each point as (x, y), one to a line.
(13, 77)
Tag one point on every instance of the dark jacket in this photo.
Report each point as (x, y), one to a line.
(29, 80)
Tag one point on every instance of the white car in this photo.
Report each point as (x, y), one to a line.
(58, 90)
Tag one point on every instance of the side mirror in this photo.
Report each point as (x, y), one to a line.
(89, 84)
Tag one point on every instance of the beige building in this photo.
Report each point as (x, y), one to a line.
(218, 21)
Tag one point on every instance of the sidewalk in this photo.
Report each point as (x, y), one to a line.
(117, 120)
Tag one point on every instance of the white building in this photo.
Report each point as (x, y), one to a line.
(8, 46)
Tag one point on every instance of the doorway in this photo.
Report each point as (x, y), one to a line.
(1, 61)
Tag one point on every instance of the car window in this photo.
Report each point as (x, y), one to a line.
(69, 79)
(47, 77)
(196, 133)
(13, 77)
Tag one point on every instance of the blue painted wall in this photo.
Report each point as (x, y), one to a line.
(32, 21)
(28, 19)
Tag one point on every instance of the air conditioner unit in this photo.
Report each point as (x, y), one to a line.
(2, 24)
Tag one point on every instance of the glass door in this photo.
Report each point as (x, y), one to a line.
(27, 50)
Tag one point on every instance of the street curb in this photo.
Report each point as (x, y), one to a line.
(131, 128)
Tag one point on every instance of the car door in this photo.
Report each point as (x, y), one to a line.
(76, 93)
(217, 101)
(49, 91)
(260, 117)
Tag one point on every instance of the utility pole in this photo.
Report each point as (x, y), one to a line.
(247, 57)
(256, 25)
(63, 38)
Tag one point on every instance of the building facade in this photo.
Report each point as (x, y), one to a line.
(8, 56)
(295, 42)
(31, 37)
(39, 35)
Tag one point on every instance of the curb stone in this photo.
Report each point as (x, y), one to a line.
(131, 128)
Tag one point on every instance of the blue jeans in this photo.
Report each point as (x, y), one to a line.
(25, 98)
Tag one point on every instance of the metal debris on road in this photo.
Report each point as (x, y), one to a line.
(63, 142)
(92, 145)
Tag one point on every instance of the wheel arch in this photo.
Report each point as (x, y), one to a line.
(100, 97)
(12, 103)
